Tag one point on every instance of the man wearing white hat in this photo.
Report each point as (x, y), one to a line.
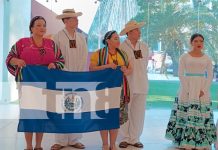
(138, 52)
(74, 50)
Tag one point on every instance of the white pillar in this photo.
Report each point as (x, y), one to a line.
(1, 44)
(16, 17)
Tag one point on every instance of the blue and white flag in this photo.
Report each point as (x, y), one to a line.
(56, 101)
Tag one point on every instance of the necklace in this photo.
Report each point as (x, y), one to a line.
(114, 58)
(137, 53)
(72, 43)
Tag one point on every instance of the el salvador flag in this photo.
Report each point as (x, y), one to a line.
(56, 101)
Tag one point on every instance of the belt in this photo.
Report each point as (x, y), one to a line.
(195, 74)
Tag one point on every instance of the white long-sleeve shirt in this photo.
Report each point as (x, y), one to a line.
(138, 80)
(75, 58)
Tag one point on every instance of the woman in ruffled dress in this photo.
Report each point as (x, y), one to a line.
(191, 124)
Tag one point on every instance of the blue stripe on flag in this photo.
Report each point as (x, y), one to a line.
(94, 80)
(66, 123)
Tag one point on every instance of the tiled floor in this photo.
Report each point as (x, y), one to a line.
(152, 137)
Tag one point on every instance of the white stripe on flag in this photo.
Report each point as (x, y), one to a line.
(53, 101)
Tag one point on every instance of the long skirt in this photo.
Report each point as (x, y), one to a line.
(191, 125)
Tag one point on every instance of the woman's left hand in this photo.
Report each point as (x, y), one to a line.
(201, 94)
(51, 66)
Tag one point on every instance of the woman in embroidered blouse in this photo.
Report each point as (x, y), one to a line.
(191, 123)
(34, 50)
(111, 57)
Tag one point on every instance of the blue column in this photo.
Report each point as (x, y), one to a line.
(5, 88)
(16, 18)
(1, 43)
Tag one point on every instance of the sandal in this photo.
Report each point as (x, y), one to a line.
(78, 145)
(56, 147)
(123, 144)
(138, 145)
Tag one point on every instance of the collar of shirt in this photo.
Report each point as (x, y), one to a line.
(68, 35)
(129, 44)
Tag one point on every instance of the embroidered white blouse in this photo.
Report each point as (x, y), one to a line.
(195, 74)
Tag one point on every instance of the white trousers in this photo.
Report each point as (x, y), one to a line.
(67, 139)
(133, 128)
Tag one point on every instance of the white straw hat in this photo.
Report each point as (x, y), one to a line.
(67, 13)
(130, 26)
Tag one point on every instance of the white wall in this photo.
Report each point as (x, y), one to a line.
(53, 25)
(87, 7)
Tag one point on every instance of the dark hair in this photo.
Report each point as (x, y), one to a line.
(33, 21)
(108, 35)
(196, 35)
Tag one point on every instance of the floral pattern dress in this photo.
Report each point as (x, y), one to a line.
(191, 123)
